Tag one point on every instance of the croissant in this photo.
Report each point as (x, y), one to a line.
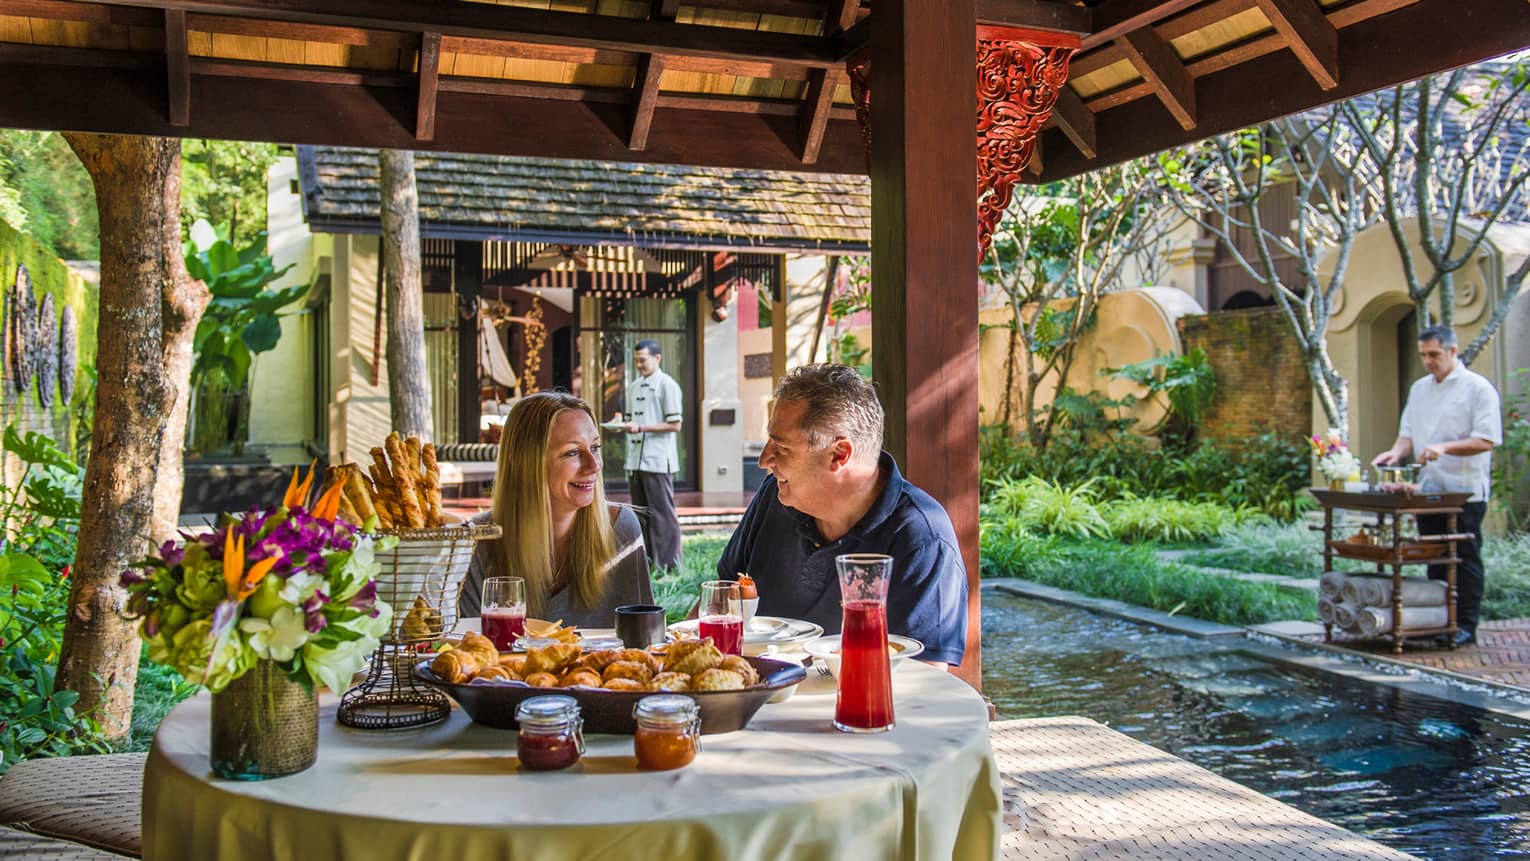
(542, 680)
(497, 673)
(552, 658)
(455, 666)
(672, 682)
(736, 664)
(717, 680)
(480, 647)
(628, 670)
(580, 676)
(516, 664)
(692, 656)
(624, 685)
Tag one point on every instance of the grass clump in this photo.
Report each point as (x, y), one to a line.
(1264, 547)
(1506, 594)
(676, 589)
(1169, 521)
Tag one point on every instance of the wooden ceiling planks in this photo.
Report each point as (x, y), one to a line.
(778, 60)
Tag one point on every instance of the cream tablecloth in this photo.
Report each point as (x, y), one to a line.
(788, 786)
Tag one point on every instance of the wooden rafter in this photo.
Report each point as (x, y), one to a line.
(813, 121)
(1076, 121)
(516, 24)
(1117, 18)
(1155, 60)
(645, 98)
(843, 18)
(1312, 37)
(428, 77)
(177, 67)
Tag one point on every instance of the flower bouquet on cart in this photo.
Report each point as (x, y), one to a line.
(1334, 459)
(261, 610)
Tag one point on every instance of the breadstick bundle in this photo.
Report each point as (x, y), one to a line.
(401, 488)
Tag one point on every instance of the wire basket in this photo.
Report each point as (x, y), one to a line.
(421, 579)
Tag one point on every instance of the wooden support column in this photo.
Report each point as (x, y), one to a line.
(467, 280)
(924, 272)
(177, 67)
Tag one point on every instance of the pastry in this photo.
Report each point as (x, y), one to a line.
(514, 663)
(673, 682)
(740, 665)
(625, 685)
(580, 676)
(455, 666)
(692, 656)
(422, 622)
(640, 656)
(639, 673)
(598, 661)
(480, 647)
(496, 673)
(552, 658)
(542, 680)
(717, 680)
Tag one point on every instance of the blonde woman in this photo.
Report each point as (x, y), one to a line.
(580, 557)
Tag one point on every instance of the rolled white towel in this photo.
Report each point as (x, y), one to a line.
(1331, 584)
(1378, 620)
(1344, 616)
(1375, 590)
(1326, 607)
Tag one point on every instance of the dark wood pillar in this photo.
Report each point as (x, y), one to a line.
(924, 269)
(467, 279)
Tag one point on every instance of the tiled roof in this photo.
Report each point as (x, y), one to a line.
(655, 205)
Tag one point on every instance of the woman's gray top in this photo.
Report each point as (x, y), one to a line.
(628, 582)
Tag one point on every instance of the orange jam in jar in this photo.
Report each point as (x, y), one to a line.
(668, 732)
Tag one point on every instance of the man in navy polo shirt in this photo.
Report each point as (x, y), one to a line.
(831, 491)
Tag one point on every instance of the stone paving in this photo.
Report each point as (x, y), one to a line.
(1501, 655)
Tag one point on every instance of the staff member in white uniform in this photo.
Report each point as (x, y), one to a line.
(1452, 422)
(653, 451)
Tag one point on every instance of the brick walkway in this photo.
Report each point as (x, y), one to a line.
(1501, 655)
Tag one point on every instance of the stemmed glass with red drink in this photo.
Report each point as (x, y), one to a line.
(865, 701)
(721, 616)
(504, 610)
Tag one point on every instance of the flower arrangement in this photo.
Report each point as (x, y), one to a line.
(286, 584)
(1334, 459)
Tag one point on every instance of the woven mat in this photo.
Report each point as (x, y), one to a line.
(1075, 789)
(95, 800)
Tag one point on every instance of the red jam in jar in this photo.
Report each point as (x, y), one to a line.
(668, 732)
(551, 734)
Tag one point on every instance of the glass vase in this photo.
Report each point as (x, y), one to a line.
(263, 725)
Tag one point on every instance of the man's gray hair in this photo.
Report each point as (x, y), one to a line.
(839, 403)
(1444, 335)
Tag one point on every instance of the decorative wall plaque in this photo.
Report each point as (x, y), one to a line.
(45, 351)
(20, 320)
(68, 353)
(757, 366)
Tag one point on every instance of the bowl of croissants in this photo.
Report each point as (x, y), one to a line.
(489, 684)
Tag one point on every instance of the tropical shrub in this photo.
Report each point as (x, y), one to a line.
(1169, 521)
(43, 509)
(1038, 505)
(1265, 547)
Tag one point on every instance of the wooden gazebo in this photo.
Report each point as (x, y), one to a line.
(970, 97)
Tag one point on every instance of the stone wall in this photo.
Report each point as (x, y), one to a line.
(1261, 381)
(32, 396)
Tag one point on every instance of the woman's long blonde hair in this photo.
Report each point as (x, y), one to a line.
(523, 508)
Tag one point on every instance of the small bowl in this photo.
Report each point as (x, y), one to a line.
(826, 650)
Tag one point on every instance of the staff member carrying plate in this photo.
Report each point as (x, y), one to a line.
(831, 491)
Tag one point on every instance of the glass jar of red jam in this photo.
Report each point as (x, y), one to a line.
(552, 732)
(668, 732)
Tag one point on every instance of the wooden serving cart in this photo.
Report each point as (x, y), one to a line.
(1389, 508)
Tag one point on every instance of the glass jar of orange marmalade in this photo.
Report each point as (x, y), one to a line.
(668, 732)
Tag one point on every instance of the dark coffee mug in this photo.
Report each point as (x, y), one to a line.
(640, 625)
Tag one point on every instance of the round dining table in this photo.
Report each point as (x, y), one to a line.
(787, 786)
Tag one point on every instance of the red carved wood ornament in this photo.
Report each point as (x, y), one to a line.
(1019, 76)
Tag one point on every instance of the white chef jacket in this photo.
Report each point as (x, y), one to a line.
(1461, 406)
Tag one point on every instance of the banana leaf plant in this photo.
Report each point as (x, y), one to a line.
(242, 320)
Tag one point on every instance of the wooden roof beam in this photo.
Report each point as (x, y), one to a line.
(177, 68)
(516, 24)
(1075, 120)
(645, 97)
(1312, 37)
(837, 21)
(813, 121)
(1155, 60)
(665, 10)
(1036, 15)
(429, 76)
(1116, 18)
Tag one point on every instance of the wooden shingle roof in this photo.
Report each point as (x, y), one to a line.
(588, 202)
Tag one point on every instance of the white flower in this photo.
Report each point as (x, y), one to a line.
(277, 639)
(300, 587)
(334, 667)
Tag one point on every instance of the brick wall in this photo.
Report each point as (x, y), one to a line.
(1261, 381)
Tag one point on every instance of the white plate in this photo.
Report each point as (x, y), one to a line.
(826, 649)
(613, 425)
(763, 633)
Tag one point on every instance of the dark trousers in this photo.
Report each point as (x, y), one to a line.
(1469, 571)
(653, 493)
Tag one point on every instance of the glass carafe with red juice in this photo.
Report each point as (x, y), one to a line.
(865, 670)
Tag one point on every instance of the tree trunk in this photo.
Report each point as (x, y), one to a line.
(149, 307)
(408, 381)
